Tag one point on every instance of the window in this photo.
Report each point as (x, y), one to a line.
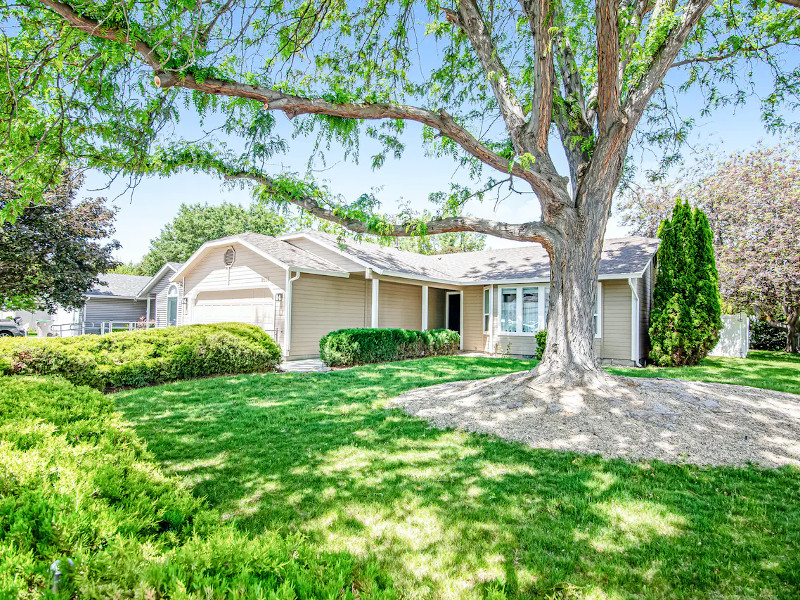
(598, 326)
(508, 310)
(487, 309)
(530, 309)
(172, 306)
(523, 310)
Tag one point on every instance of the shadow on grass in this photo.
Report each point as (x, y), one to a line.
(458, 515)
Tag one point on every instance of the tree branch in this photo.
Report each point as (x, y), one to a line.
(640, 95)
(535, 231)
(608, 89)
(293, 105)
(727, 55)
(795, 3)
(468, 18)
(540, 18)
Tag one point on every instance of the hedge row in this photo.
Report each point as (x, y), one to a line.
(348, 347)
(78, 484)
(144, 357)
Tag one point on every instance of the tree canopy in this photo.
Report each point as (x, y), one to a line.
(52, 253)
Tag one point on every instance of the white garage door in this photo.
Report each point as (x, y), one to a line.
(254, 306)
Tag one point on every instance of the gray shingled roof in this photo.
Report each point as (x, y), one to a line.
(114, 284)
(292, 256)
(174, 265)
(629, 255)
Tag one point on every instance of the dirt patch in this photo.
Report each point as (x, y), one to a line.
(670, 420)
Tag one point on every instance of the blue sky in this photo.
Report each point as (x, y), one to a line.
(155, 201)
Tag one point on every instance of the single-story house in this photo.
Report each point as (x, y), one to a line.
(301, 286)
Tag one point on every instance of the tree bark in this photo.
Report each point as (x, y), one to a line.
(793, 330)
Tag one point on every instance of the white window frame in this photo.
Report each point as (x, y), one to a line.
(598, 311)
(541, 319)
(487, 310)
(173, 292)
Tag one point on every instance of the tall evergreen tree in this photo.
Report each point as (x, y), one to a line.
(686, 316)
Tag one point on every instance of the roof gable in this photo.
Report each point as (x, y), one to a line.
(281, 253)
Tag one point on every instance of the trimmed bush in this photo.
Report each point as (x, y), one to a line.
(541, 343)
(348, 347)
(77, 483)
(144, 357)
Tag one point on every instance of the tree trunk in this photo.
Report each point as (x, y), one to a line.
(793, 330)
(569, 359)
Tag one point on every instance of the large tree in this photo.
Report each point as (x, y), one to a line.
(754, 203)
(504, 86)
(196, 224)
(53, 252)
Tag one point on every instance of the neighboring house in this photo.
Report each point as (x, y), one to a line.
(114, 298)
(301, 286)
(117, 299)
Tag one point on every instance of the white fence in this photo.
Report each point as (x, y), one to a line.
(734, 339)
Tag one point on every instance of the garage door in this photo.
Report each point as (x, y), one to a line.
(254, 306)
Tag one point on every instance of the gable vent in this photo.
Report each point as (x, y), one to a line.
(230, 257)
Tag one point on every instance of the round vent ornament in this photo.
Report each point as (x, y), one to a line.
(230, 257)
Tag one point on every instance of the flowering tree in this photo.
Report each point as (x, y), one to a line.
(754, 203)
(503, 86)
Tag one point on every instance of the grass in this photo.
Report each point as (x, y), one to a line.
(451, 514)
(762, 369)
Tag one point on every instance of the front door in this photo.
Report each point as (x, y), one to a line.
(454, 311)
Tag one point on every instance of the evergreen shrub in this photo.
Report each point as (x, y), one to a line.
(687, 313)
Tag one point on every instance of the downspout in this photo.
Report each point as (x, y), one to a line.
(287, 314)
(634, 322)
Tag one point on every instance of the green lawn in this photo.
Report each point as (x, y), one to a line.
(458, 515)
(770, 370)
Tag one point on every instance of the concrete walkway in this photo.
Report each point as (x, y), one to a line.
(309, 365)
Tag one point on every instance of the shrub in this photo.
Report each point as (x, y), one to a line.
(541, 343)
(764, 336)
(686, 316)
(348, 347)
(141, 358)
(77, 483)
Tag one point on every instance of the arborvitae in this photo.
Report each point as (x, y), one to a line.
(685, 320)
(707, 304)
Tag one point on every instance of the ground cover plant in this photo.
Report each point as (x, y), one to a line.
(361, 346)
(143, 357)
(76, 482)
(451, 514)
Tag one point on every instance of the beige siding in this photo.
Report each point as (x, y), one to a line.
(329, 255)
(399, 305)
(249, 270)
(615, 343)
(474, 340)
(436, 308)
(321, 304)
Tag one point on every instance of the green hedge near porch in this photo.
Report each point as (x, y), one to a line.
(144, 357)
(350, 347)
